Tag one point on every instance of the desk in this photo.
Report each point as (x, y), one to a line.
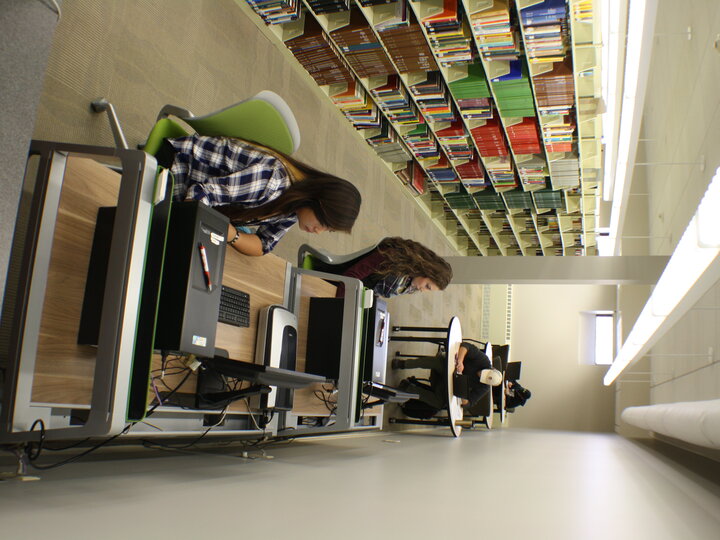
(451, 342)
(82, 391)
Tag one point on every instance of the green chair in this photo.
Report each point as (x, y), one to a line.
(321, 260)
(265, 119)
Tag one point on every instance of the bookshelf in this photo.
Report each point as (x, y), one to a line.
(487, 110)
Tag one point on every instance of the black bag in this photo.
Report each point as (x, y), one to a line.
(414, 408)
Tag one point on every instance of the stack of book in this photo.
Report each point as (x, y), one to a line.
(544, 12)
(419, 179)
(328, 6)
(394, 14)
(472, 93)
(408, 47)
(348, 96)
(395, 101)
(533, 172)
(442, 172)
(524, 137)
(555, 90)
(421, 142)
(277, 11)
(565, 172)
(490, 201)
(314, 50)
(513, 95)
(547, 198)
(365, 115)
(472, 174)
(489, 139)
(449, 35)
(388, 146)
(433, 99)
(517, 198)
(546, 31)
(497, 39)
(558, 136)
(501, 172)
(361, 48)
(583, 11)
(459, 200)
(369, 3)
(455, 140)
(405, 174)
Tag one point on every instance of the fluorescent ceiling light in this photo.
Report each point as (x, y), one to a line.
(693, 268)
(611, 35)
(641, 25)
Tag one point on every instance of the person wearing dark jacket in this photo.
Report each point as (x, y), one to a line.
(473, 373)
(516, 395)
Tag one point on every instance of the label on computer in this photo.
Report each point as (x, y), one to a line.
(216, 238)
(200, 341)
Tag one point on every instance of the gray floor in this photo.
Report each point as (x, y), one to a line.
(500, 484)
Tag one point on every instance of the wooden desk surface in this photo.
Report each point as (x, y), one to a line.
(64, 370)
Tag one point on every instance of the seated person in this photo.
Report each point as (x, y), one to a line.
(477, 373)
(400, 266)
(256, 186)
(516, 395)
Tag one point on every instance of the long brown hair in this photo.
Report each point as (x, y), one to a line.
(410, 258)
(334, 201)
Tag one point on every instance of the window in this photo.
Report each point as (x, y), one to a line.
(604, 323)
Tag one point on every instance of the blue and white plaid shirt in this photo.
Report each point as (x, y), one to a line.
(219, 171)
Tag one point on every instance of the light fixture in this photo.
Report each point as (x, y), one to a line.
(611, 35)
(693, 268)
(641, 25)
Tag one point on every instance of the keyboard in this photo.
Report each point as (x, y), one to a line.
(234, 307)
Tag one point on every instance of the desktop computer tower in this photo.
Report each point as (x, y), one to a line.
(276, 347)
(190, 289)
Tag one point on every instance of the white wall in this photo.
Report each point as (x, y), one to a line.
(566, 395)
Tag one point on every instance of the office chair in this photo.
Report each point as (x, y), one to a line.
(264, 118)
(321, 260)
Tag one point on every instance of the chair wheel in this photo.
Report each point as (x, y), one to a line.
(99, 105)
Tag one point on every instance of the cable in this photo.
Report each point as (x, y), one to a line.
(57, 9)
(71, 459)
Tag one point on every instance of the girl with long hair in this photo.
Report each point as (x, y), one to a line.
(258, 187)
(400, 266)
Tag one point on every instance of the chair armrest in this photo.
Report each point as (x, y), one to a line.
(174, 110)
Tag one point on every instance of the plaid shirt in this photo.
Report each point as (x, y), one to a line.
(219, 171)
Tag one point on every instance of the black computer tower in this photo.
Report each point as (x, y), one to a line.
(189, 304)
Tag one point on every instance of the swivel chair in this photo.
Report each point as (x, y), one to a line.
(265, 119)
(321, 260)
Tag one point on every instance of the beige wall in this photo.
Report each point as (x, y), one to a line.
(566, 394)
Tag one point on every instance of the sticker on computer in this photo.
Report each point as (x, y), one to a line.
(216, 238)
(200, 341)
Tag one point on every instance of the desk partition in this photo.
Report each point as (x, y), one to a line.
(38, 237)
(80, 391)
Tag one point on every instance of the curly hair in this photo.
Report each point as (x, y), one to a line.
(410, 258)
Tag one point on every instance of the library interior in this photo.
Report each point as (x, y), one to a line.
(399, 249)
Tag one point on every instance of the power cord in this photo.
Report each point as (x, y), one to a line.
(32, 456)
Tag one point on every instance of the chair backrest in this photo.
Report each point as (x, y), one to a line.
(323, 261)
(163, 129)
(265, 119)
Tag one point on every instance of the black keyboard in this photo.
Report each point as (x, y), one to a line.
(234, 307)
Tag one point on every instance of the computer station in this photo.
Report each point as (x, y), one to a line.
(356, 268)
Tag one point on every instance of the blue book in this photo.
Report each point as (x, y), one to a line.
(514, 74)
